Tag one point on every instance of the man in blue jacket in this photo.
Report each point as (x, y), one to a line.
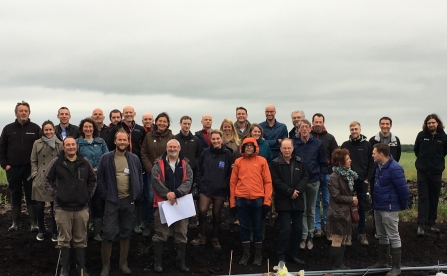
(120, 183)
(311, 151)
(390, 196)
(274, 131)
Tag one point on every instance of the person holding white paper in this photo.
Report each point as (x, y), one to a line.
(171, 179)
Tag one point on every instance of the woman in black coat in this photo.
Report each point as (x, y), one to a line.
(289, 181)
(213, 177)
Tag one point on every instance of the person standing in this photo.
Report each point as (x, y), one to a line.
(430, 149)
(311, 151)
(44, 150)
(92, 147)
(385, 136)
(274, 131)
(71, 181)
(329, 144)
(104, 130)
(390, 196)
(171, 179)
(251, 194)
(360, 151)
(242, 125)
(297, 116)
(264, 148)
(120, 184)
(289, 181)
(64, 128)
(204, 134)
(16, 144)
(213, 177)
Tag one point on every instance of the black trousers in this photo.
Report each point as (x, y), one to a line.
(289, 234)
(17, 179)
(361, 188)
(429, 188)
(122, 214)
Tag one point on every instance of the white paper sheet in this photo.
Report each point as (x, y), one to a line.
(172, 213)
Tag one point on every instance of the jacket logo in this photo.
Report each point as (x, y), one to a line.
(297, 169)
(32, 133)
(221, 164)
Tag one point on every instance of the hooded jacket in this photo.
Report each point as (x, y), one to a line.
(250, 177)
(390, 187)
(214, 171)
(360, 151)
(430, 152)
(395, 148)
(313, 156)
(288, 177)
(154, 145)
(329, 143)
(189, 148)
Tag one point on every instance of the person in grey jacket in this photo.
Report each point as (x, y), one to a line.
(120, 183)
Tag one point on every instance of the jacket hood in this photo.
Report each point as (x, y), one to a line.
(249, 140)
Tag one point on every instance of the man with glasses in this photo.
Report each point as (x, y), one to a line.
(274, 131)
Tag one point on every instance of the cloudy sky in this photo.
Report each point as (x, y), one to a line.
(350, 60)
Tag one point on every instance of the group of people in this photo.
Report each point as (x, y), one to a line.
(115, 175)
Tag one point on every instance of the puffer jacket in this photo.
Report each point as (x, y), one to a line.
(339, 211)
(214, 171)
(250, 177)
(390, 187)
(430, 152)
(286, 179)
(154, 145)
(92, 151)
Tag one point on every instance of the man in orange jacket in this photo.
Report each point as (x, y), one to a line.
(251, 193)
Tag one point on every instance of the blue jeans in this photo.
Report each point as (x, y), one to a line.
(249, 213)
(325, 197)
(148, 198)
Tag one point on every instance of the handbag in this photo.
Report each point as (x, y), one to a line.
(354, 214)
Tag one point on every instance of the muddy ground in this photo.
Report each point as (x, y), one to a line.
(22, 254)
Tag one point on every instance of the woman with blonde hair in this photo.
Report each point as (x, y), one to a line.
(230, 137)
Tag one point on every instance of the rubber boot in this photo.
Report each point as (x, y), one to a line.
(158, 256)
(258, 254)
(97, 225)
(383, 252)
(181, 248)
(65, 261)
(32, 217)
(106, 252)
(124, 253)
(15, 213)
(136, 223)
(80, 260)
(246, 255)
(337, 255)
(396, 253)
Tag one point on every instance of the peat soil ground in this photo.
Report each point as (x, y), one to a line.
(22, 254)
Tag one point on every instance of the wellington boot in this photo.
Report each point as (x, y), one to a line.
(15, 213)
(258, 254)
(97, 225)
(396, 253)
(65, 261)
(383, 252)
(158, 256)
(80, 260)
(124, 253)
(337, 255)
(32, 217)
(136, 224)
(246, 255)
(106, 252)
(181, 248)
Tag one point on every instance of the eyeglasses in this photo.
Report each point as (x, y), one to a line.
(249, 145)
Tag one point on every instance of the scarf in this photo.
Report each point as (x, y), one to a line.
(50, 141)
(349, 174)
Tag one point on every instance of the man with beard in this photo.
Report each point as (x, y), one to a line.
(115, 117)
(171, 179)
(64, 128)
(120, 183)
(242, 125)
(360, 151)
(104, 131)
(297, 116)
(430, 148)
(274, 131)
(329, 145)
(16, 144)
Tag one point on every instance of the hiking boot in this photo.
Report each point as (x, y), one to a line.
(216, 244)
(303, 244)
(40, 236)
(54, 237)
(348, 241)
(246, 255)
(362, 239)
(318, 233)
(309, 243)
(258, 254)
(420, 231)
(200, 240)
(434, 230)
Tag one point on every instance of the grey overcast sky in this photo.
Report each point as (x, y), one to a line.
(350, 60)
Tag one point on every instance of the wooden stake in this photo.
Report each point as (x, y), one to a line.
(231, 261)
